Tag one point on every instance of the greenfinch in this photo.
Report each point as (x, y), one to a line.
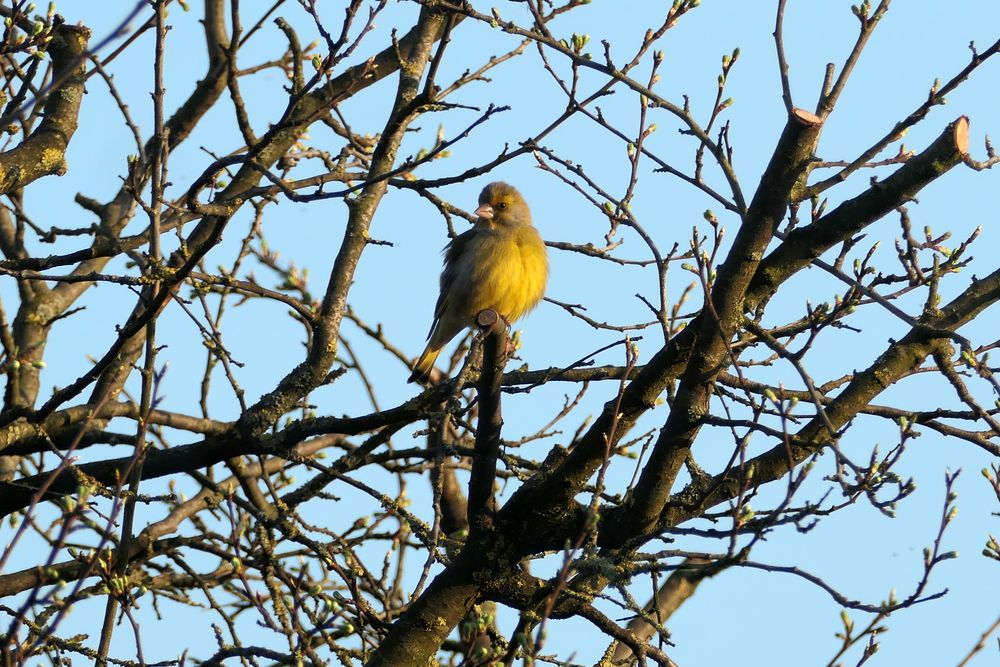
(499, 264)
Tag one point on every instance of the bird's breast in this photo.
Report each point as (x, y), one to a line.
(505, 270)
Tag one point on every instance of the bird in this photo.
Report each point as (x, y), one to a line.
(499, 264)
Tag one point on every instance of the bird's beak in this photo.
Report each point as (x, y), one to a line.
(485, 212)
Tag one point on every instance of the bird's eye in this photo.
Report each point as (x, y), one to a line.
(502, 205)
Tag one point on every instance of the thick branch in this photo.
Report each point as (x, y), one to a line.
(897, 361)
(415, 51)
(148, 542)
(679, 586)
(417, 635)
(804, 244)
(790, 159)
(482, 503)
(44, 151)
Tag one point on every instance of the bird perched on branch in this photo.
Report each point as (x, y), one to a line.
(499, 264)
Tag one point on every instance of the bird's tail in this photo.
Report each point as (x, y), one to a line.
(424, 364)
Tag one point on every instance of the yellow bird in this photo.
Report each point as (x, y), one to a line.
(499, 264)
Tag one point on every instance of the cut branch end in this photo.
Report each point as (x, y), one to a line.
(961, 134)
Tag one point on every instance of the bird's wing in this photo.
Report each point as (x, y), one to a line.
(452, 252)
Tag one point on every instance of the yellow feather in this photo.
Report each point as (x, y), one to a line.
(500, 264)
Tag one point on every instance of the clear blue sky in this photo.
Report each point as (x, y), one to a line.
(739, 617)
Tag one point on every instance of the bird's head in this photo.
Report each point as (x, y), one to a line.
(501, 204)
